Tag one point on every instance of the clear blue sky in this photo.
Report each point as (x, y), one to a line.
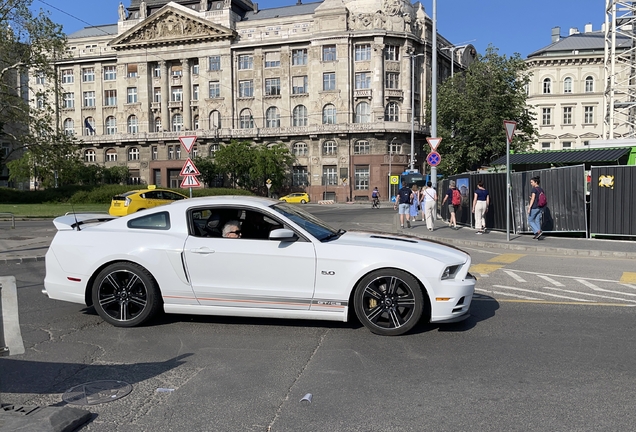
(521, 26)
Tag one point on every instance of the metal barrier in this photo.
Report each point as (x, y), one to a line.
(12, 218)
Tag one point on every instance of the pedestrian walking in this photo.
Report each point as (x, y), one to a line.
(535, 207)
(415, 203)
(428, 208)
(481, 202)
(454, 198)
(403, 204)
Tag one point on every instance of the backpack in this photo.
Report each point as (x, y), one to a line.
(374, 194)
(457, 197)
(542, 201)
(405, 195)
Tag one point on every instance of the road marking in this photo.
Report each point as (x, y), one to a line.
(506, 258)
(628, 278)
(508, 294)
(515, 276)
(590, 294)
(595, 288)
(558, 302)
(484, 269)
(587, 284)
(567, 277)
(552, 281)
(629, 286)
(539, 292)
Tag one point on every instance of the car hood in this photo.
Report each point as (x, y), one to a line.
(448, 255)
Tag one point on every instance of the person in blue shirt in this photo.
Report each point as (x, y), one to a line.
(481, 202)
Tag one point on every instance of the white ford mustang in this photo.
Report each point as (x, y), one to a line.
(252, 257)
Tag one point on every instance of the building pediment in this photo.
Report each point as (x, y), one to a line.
(172, 24)
(547, 136)
(591, 135)
(567, 136)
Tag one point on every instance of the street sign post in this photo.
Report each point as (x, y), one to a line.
(510, 132)
(268, 183)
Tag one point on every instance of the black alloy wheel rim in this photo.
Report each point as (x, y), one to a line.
(388, 302)
(122, 295)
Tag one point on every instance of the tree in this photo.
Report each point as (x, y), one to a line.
(208, 169)
(472, 107)
(236, 160)
(273, 163)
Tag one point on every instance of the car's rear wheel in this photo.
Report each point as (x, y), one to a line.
(388, 302)
(302, 201)
(125, 295)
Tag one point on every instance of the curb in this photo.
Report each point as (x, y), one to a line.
(21, 259)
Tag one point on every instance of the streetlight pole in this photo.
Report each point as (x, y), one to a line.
(434, 88)
(412, 162)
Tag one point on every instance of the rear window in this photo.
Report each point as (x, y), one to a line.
(155, 221)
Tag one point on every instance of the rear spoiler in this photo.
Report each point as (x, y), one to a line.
(74, 221)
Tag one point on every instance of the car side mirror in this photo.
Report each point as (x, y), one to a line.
(283, 234)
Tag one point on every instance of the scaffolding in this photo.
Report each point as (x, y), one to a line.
(620, 70)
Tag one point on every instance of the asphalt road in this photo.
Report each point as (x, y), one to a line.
(515, 364)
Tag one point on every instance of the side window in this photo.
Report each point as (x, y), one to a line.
(156, 221)
(151, 195)
(257, 226)
(172, 196)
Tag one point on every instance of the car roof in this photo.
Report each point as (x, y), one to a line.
(226, 200)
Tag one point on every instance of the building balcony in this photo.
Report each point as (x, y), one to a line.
(393, 93)
(175, 104)
(363, 94)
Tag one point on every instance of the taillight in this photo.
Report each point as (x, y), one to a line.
(127, 202)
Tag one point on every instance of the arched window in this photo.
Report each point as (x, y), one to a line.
(111, 125)
(299, 116)
(177, 122)
(362, 147)
(89, 126)
(246, 121)
(329, 148)
(133, 125)
(547, 86)
(89, 156)
(69, 127)
(392, 112)
(111, 155)
(363, 113)
(300, 149)
(329, 114)
(567, 85)
(158, 125)
(215, 120)
(214, 148)
(195, 122)
(195, 151)
(272, 117)
(589, 84)
(133, 154)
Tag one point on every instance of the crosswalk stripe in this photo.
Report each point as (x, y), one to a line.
(629, 286)
(595, 288)
(515, 276)
(590, 294)
(552, 281)
(539, 292)
(587, 284)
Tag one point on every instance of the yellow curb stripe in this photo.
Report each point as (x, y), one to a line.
(628, 277)
(506, 258)
(484, 269)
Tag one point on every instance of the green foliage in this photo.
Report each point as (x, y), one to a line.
(236, 159)
(472, 107)
(208, 169)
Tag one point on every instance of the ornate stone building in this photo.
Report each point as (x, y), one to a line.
(332, 80)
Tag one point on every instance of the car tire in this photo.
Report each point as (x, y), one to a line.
(389, 302)
(125, 295)
(302, 201)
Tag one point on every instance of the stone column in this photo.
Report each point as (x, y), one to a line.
(165, 95)
(407, 80)
(377, 81)
(187, 94)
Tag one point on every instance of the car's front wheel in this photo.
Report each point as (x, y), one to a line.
(388, 302)
(125, 295)
(302, 201)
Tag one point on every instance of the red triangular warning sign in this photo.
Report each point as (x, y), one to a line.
(190, 181)
(189, 169)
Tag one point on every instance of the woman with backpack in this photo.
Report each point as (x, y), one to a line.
(454, 197)
(538, 200)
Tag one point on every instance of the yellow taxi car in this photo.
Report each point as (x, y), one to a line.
(135, 200)
(298, 197)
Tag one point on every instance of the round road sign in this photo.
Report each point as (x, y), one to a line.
(433, 158)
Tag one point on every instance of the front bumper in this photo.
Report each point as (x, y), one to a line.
(452, 301)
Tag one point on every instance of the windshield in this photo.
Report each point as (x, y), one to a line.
(309, 222)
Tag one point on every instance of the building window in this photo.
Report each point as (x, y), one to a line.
(215, 63)
(131, 71)
(110, 73)
(299, 57)
(89, 156)
(246, 88)
(329, 175)
(195, 92)
(567, 144)
(300, 149)
(395, 148)
(69, 100)
(213, 149)
(272, 117)
(299, 116)
(391, 53)
(40, 101)
(154, 152)
(329, 53)
(133, 154)
(111, 125)
(89, 126)
(215, 89)
(299, 84)
(195, 151)
(133, 125)
(329, 114)
(156, 94)
(361, 178)
(215, 120)
(567, 85)
(177, 122)
(363, 52)
(110, 98)
(272, 87)
(88, 74)
(156, 70)
(363, 80)
(176, 94)
(131, 95)
(195, 67)
(69, 127)
(111, 155)
(567, 115)
(329, 81)
(329, 148)
(546, 116)
(158, 127)
(588, 115)
(170, 152)
(589, 84)
(300, 176)
(586, 143)
(195, 122)
(246, 121)
(245, 61)
(40, 78)
(89, 99)
(392, 112)
(547, 86)
(545, 146)
(272, 59)
(67, 76)
(392, 80)
(176, 70)
(362, 147)
(177, 152)
(363, 113)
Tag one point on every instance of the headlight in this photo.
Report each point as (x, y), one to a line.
(450, 272)
(127, 202)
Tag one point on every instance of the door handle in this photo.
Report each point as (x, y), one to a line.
(202, 250)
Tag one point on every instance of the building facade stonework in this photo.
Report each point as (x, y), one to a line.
(331, 80)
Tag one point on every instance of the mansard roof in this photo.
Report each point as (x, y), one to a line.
(590, 42)
(281, 12)
(94, 31)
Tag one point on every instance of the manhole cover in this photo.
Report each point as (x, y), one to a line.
(96, 392)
